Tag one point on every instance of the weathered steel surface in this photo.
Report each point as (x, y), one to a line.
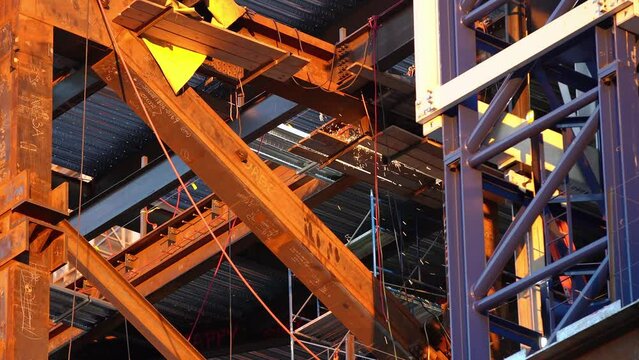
(149, 322)
(24, 310)
(26, 61)
(253, 192)
(158, 269)
(26, 64)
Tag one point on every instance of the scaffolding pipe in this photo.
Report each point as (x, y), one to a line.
(532, 129)
(556, 267)
(290, 313)
(507, 90)
(520, 225)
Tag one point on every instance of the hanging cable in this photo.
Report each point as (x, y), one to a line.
(81, 182)
(230, 290)
(126, 332)
(336, 349)
(373, 24)
(210, 286)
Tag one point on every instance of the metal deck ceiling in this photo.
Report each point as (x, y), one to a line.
(182, 306)
(113, 133)
(311, 16)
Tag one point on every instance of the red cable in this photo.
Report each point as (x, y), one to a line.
(208, 290)
(372, 23)
(219, 263)
(169, 204)
(188, 194)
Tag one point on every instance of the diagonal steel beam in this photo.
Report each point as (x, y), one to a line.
(155, 267)
(587, 295)
(155, 179)
(533, 129)
(556, 267)
(283, 223)
(126, 299)
(512, 83)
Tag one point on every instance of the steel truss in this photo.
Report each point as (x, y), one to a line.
(607, 122)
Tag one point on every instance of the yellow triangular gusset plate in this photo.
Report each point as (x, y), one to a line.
(177, 64)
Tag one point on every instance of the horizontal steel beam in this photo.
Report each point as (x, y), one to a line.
(137, 191)
(69, 92)
(523, 52)
(261, 117)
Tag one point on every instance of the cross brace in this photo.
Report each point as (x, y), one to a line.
(285, 225)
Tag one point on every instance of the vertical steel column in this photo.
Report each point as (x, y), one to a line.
(26, 67)
(350, 346)
(619, 141)
(464, 201)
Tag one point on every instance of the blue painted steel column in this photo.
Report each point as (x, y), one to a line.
(464, 198)
(620, 150)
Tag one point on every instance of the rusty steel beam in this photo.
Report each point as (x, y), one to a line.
(283, 223)
(169, 250)
(305, 89)
(149, 322)
(157, 267)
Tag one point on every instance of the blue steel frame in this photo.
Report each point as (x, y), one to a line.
(470, 277)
